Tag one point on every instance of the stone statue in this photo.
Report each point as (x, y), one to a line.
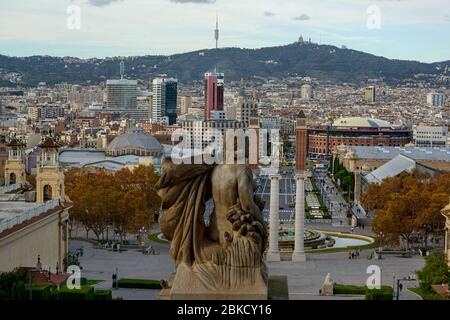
(223, 258)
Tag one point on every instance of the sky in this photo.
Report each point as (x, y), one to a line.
(400, 29)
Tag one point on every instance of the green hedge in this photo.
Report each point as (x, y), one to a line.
(139, 284)
(84, 293)
(384, 293)
(39, 292)
(348, 289)
(102, 295)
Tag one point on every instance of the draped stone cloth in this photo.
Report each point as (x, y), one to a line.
(202, 262)
(184, 189)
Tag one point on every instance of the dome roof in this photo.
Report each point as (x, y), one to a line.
(138, 140)
(361, 123)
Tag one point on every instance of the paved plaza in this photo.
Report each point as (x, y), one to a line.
(287, 195)
(304, 279)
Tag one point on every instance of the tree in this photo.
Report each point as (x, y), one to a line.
(435, 272)
(125, 199)
(12, 285)
(408, 204)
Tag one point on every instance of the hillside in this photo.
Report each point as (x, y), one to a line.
(324, 62)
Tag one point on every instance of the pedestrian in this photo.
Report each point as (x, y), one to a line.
(349, 254)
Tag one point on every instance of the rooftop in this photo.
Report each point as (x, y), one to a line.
(13, 209)
(391, 168)
(415, 153)
(360, 122)
(136, 140)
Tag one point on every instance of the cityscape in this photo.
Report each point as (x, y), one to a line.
(296, 171)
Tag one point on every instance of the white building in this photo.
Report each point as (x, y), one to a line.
(306, 92)
(430, 136)
(185, 104)
(435, 99)
(369, 94)
(164, 99)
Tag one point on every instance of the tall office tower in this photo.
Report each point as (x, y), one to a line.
(185, 104)
(213, 94)
(301, 134)
(245, 108)
(171, 96)
(435, 99)
(121, 94)
(369, 94)
(165, 93)
(306, 92)
(158, 100)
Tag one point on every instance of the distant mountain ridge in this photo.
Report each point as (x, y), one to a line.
(324, 62)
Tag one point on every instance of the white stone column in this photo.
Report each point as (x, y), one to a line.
(273, 253)
(299, 249)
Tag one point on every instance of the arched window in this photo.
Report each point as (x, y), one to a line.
(12, 178)
(47, 192)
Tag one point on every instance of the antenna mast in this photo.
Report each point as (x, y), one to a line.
(216, 31)
(122, 69)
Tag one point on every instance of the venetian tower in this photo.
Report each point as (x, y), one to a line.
(49, 178)
(15, 166)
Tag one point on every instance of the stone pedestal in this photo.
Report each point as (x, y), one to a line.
(186, 285)
(299, 248)
(273, 253)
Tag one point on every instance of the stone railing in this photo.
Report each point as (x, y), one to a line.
(10, 187)
(29, 214)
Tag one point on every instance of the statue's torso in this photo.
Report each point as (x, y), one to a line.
(225, 194)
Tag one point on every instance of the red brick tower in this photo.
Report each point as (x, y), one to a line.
(301, 135)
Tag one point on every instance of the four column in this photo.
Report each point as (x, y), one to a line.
(273, 253)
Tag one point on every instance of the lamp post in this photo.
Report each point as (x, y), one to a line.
(380, 248)
(142, 233)
(411, 277)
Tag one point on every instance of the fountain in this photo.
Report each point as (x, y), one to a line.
(318, 240)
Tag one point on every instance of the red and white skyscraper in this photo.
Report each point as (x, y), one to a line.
(213, 94)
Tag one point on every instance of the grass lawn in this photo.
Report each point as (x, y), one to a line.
(154, 237)
(88, 283)
(329, 250)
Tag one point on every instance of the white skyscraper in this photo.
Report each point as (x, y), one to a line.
(164, 92)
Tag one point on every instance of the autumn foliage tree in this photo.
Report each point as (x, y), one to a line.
(125, 200)
(408, 204)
